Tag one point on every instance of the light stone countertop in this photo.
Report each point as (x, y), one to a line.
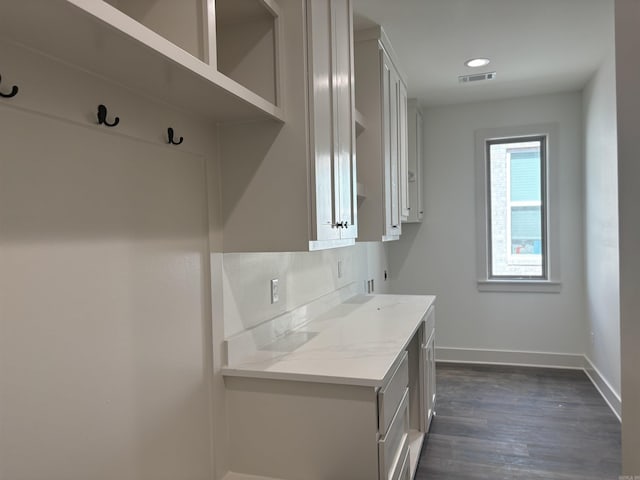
(353, 343)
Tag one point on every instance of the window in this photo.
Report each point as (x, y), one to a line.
(515, 249)
(516, 210)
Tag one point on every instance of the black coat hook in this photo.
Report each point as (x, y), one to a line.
(13, 93)
(102, 117)
(170, 135)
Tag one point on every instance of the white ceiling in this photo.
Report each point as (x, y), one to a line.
(535, 46)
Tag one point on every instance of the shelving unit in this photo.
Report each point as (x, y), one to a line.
(127, 42)
(247, 38)
(182, 23)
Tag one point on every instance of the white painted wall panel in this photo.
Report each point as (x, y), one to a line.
(601, 222)
(103, 294)
(627, 19)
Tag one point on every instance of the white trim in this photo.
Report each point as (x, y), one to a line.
(604, 387)
(567, 361)
(550, 130)
(525, 286)
(510, 357)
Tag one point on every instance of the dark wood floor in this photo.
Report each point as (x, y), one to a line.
(519, 423)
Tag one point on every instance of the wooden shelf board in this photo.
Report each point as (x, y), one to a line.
(93, 35)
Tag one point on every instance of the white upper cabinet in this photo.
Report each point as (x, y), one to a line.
(403, 151)
(218, 58)
(332, 123)
(414, 123)
(381, 97)
(292, 187)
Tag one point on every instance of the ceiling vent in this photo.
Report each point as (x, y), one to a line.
(476, 77)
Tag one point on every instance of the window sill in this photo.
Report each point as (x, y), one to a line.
(523, 286)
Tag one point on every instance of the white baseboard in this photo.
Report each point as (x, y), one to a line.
(510, 357)
(535, 359)
(604, 387)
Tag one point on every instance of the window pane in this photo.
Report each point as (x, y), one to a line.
(526, 230)
(516, 209)
(525, 176)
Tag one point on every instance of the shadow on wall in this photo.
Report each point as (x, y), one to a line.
(401, 250)
(103, 251)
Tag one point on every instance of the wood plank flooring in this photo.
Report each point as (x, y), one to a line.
(496, 422)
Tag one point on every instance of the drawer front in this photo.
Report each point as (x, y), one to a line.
(404, 468)
(393, 445)
(428, 372)
(390, 395)
(430, 321)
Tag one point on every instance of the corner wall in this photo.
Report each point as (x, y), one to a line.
(438, 256)
(601, 230)
(627, 21)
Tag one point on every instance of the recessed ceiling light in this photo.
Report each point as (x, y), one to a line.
(477, 62)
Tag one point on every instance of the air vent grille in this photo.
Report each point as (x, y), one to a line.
(477, 77)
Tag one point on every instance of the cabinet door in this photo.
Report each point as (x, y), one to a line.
(321, 109)
(387, 86)
(405, 201)
(390, 101)
(394, 124)
(344, 121)
(332, 124)
(419, 206)
(414, 137)
(430, 361)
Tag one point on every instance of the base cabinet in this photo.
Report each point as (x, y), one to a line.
(303, 430)
(428, 363)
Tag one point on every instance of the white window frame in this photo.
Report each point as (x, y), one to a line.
(552, 283)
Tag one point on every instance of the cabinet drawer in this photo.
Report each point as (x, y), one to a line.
(392, 446)
(403, 471)
(390, 395)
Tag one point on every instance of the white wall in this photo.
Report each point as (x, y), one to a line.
(628, 105)
(111, 283)
(303, 277)
(438, 256)
(106, 305)
(601, 223)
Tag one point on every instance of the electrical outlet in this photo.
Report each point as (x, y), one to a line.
(275, 294)
(369, 286)
(339, 268)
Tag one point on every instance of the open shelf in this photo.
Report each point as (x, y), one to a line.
(182, 23)
(151, 59)
(247, 35)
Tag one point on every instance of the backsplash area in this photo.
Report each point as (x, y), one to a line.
(302, 278)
